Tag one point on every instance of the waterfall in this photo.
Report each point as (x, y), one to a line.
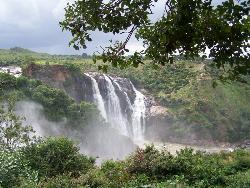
(111, 110)
(138, 116)
(126, 95)
(115, 116)
(98, 100)
(139, 112)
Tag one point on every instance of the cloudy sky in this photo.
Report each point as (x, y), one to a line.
(34, 24)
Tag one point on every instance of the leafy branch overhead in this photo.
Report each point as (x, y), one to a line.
(187, 28)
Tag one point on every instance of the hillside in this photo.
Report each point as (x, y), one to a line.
(185, 107)
(56, 96)
(187, 91)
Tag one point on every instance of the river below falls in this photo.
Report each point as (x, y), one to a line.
(174, 147)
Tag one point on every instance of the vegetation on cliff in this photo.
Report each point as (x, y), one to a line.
(190, 90)
(56, 103)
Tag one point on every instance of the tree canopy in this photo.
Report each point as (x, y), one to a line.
(187, 28)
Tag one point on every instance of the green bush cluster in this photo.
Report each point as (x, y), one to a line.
(34, 165)
(57, 156)
(7, 82)
(14, 167)
(144, 168)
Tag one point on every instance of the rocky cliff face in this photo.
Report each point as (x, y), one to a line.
(78, 86)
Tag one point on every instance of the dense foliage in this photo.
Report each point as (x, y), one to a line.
(57, 156)
(12, 134)
(56, 162)
(13, 137)
(187, 27)
(13, 168)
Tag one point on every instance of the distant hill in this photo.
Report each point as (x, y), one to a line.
(22, 56)
(21, 50)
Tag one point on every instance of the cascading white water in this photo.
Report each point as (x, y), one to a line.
(139, 113)
(126, 95)
(138, 116)
(115, 116)
(112, 112)
(98, 100)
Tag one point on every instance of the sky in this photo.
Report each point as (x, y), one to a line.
(34, 24)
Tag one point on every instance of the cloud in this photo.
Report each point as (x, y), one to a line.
(34, 24)
(58, 11)
(15, 14)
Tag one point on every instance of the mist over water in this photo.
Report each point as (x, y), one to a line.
(105, 143)
(34, 116)
(99, 141)
(114, 139)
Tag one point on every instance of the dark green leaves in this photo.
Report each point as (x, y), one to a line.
(187, 28)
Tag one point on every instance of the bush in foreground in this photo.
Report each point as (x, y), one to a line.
(57, 156)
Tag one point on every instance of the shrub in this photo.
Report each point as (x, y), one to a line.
(116, 173)
(57, 156)
(140, 180)
(74, 68)
(13, 134)
(237, 161)
(151, 162)
(54, 101)
(7, 82)
(199, 167)
(61, 181)
(196, 167)
(13, 167)
(83, 113)
(22, 82)
(241, 180)
(94, 179)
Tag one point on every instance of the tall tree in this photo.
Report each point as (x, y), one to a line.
(187, 27)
